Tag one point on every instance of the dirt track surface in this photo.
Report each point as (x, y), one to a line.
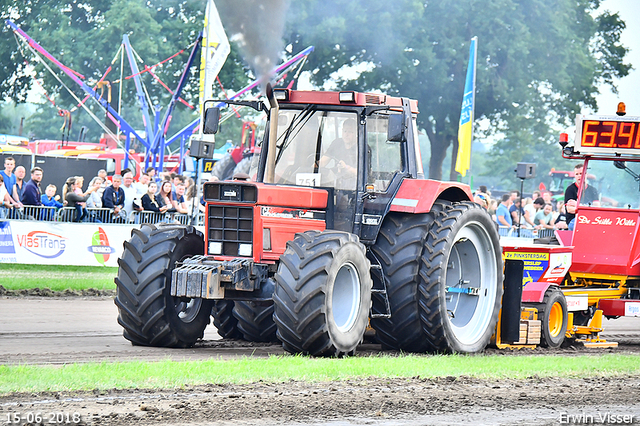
(80, 329)
(443, 401)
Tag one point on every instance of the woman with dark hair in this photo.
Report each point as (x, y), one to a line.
(166, 196)
(150, 201)
(75, 200)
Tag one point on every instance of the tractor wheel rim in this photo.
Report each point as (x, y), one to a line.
(187, 310)
(471, 264)
(555, 319)
(345, 300)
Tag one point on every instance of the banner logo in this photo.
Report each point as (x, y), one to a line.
(6, 238)
(100, 246)
(43, 244)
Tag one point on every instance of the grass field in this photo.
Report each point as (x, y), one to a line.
(57, 278)
(172, 374)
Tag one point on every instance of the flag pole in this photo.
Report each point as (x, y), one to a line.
(474, 42)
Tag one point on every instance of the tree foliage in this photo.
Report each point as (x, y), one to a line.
(86, 36)
(539, 61)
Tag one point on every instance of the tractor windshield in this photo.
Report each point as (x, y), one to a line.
(317, 148)
(620, 187)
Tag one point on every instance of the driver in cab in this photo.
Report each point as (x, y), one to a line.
(343, 151)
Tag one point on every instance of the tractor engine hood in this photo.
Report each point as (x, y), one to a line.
(265, 195)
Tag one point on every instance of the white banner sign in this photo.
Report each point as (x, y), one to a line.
(57, 243)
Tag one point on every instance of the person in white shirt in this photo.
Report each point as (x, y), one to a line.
(129, 194)
(95, 199)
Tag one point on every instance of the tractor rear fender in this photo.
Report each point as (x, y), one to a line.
(418, 195)
(534, 292)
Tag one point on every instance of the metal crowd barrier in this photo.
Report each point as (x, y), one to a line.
(36, 213)
(153, 217)
(506, 231)
(68, 214)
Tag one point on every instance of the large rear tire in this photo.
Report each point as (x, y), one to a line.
(322, 294)
(244, 166)
(398, 249)
(149, 315)
(255, 321)
(553, 315)
(462, 281)
(223, 168)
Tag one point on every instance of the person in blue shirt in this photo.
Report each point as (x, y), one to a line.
(10, 180)
(503, 217)
(49, 198)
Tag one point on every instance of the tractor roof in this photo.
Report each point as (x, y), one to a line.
(287, 96)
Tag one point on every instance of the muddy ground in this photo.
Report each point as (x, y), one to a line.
(371, 401)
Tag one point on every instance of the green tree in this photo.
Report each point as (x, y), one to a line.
(85, 36)
(537, 59)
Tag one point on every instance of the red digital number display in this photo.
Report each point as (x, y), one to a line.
(610, 134)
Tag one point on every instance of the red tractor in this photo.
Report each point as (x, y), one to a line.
(340, 229)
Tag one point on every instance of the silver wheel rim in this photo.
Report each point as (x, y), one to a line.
(471, 269)
(187, 310)
(345, 300)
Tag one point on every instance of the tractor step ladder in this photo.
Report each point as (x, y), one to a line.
(376, 269)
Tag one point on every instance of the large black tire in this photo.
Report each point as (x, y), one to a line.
(224, 321)
(553, 315)
(323, 294)
(149, 315)
(223, 168)
(462, 253)
(399, 248)
(255, 321)
(244, 166)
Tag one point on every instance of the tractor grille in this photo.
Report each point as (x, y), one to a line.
(231, 226)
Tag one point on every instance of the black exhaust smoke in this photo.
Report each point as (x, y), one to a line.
(257, 27)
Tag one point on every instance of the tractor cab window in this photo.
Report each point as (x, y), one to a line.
(385, 158)
(317, 148)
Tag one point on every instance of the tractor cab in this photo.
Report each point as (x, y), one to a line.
(357, 146)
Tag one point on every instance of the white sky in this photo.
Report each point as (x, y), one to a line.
(629, 86)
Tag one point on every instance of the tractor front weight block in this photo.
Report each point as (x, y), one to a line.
(203, 277)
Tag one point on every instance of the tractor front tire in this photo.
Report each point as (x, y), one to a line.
(553, 315)
(462, 280)
(148, 313)
(323, 294)
(255, 321)
(224, 321)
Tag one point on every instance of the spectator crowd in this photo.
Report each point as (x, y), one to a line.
(167, 195)
(116, 201)
(512, 212)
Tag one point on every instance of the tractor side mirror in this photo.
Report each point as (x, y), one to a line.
(396, 130)
(211, 121)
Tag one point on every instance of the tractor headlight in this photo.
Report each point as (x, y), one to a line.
(244, 250)
(215, 247)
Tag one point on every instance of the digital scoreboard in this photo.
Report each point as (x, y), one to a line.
(597, 134)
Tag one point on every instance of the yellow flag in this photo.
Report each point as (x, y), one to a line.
(465, 129)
